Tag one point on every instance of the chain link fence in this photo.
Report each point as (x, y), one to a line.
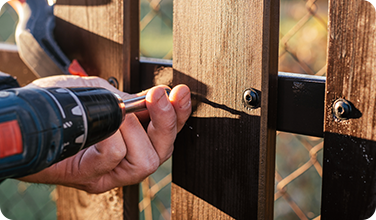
(20, 200)
(298, 177)
(303, 35)
(156, 28)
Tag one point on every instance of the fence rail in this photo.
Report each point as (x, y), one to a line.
(300, 97)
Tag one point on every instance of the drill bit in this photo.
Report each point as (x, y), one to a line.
(138, 104)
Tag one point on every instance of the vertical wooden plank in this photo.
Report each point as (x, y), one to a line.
(223, 163)
(104, 36)
(92, 32)
(349, 146)
(76, 204)
(268, 124)
(130, 202)
(12, 64)
(131, 46)
(131, 80)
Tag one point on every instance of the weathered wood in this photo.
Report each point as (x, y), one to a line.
(131, 46)
(130, 202)
(131, 80)
(225, 154)
(82, 205)
(11, 63)
(349, 147)
(186, 206)
(103, 36)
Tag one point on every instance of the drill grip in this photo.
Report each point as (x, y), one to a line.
(39, 127)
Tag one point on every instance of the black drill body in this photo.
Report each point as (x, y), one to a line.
(39, 127)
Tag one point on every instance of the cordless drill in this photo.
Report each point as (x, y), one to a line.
(39, 127)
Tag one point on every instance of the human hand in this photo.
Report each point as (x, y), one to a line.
(131, 154)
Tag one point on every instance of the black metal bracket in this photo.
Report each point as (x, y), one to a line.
(301, 99)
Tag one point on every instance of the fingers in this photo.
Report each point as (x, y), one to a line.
(123, 159)
(102, 157)
(162, 128)
(139, 147)
(180, 97)
(86, 169)
(146, 152)
(141, 159)
(168, 115)
(131, 154)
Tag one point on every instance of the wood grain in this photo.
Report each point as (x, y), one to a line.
(225, 153)
(82, 205)
(104, 37)
(11, 63)
(187, 206)
(349, 146)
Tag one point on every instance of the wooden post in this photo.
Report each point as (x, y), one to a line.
(104, 36)
(223, 163)
(12, 64)
(349, 146)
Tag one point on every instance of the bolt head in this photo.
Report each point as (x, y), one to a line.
(342, 109)
(251, 99)
(113, 81)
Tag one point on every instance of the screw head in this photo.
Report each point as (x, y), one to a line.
(251, 99)
(113, 81)
(342, 109)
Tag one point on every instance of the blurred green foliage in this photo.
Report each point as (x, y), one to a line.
(8, 21)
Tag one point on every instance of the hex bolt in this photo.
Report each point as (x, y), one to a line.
(342, 109)
(251, 99)
(113, 81)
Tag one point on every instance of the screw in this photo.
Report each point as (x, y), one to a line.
(251, 99)
(342, 109)
(113, 81)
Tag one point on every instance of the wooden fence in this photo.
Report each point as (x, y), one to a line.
(223, 164)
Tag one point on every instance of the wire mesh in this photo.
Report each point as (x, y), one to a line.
(303, 34)
(156, 42)
(156, 28)
(303, 37)
(298, 177)
(20, 200)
